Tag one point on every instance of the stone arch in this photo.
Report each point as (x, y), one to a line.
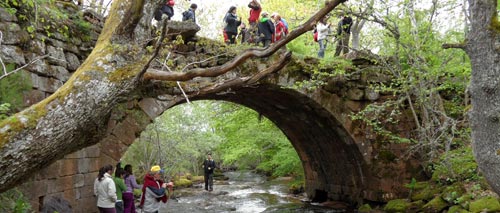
(333, 165)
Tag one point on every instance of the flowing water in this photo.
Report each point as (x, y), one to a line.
(243, 192)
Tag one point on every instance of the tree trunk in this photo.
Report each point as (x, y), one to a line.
(483, 48)
(76, 115)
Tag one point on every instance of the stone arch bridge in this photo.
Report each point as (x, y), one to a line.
(342, 159)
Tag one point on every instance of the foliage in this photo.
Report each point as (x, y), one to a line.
(456, 166)
(14, 201)
(251, 141)
(47, 16)
(10, 89)
(178, 140)
(429, 82)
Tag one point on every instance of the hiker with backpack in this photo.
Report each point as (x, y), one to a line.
(190, 14)
(265, 30)
(322, 29)
(165, 11)
(279, 28)
(232, 23)
(273, 16)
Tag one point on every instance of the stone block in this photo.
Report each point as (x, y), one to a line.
(68, 167)
(110, 147)
(86, 165)
(355, 94)
(12, 54)
(60, 73)
(371, 94)
(354, 106)
(57, 56)
(86, 205)
(78, 154)
(89, 178)
(78, 180)
(87, 191)
(151, 107)
(6, 16)
(45, 84)
(51, 171)
(73, 61)
(13, 34)
(32, 97)
(93, 151)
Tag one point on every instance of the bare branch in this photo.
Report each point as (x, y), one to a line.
(22, 67)
(457, 46)
(253, 52)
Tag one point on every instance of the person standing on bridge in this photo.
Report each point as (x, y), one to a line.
(208, 167)
(105, 191)
(343, 34)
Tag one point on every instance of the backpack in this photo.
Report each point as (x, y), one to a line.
(158, 13)
(185, 15)
(315, 35)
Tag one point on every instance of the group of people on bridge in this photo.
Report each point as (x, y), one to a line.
(264, 28)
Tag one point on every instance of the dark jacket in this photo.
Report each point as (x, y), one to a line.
(165, 9)
(265, 29)
(232, 23)
(344, 25)
(209, 164)
(189, 15)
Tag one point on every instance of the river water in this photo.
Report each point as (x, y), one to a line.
(243, 192)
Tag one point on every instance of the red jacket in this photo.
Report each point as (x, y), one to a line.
(149, 181)
(254, 13)
(279, 31)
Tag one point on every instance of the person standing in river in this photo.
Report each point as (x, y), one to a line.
(209, 166)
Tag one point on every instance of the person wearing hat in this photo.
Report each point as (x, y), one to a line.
(154, 190)
(209, 166)
(265, 29)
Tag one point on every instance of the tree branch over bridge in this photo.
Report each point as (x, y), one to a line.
(77, 114)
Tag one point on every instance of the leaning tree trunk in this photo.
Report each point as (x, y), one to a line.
(483, 48)
(76, 115)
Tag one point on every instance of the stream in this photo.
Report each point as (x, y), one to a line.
(245, 191)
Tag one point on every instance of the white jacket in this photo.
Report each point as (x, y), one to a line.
(323, 30)
(105, 191)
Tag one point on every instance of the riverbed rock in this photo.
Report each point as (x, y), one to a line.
(435, 205)
(486, 204)
(396, 206)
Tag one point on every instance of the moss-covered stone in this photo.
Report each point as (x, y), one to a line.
(456, 166)
(451, 193)
(426, 193)
(457, 209)
(416, 206)
(435, 205)
(183, 183)
(396, 206)
(486, 204)
(464, 201)
(365, 208)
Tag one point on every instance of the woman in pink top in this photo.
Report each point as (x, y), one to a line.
(128, 195)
